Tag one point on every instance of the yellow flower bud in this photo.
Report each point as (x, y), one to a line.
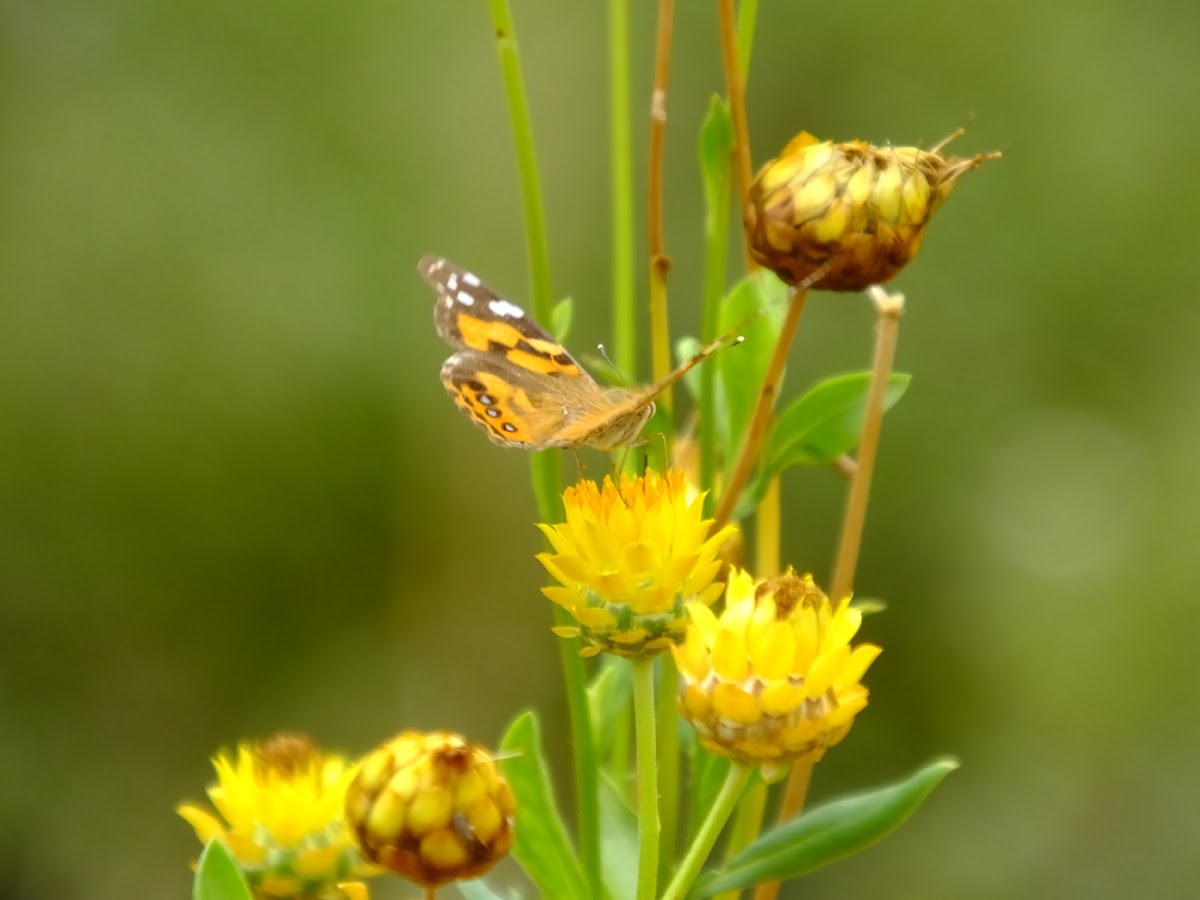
(774, 679)
(847, 215)
(431, 807)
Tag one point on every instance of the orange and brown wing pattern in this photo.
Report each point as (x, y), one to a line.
(503, 400)
(471, 316)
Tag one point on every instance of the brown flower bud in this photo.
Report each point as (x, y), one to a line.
(431, 807)
(847, 215)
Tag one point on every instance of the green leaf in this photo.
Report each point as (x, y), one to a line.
(708, 773)
(609, 697)
(604, 371)
(715, 146)
(827, 421)
(685, 348)
(218, 876)
(869, 606)
(618, 840)
(542, 846)
(477, 890)
(753, 307)
(560, 319)
(827, 833)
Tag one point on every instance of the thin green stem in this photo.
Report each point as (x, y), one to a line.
(546, 469)
(648, 826)
(531, 189)
(747, 823)
(667, 716)
(707, 836)
(621, 159)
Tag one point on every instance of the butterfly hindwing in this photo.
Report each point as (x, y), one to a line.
(503, 399)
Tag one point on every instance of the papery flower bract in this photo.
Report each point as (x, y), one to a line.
(281, 801)
(431, 807)
(849, 215)
(774, 680)
(628, 559)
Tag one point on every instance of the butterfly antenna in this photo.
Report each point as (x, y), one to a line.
(612, 365)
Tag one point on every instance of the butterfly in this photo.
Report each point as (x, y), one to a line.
(519, 384)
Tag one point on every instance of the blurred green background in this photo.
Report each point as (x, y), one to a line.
(233, 497)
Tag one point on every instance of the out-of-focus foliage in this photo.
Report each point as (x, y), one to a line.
(234, 498)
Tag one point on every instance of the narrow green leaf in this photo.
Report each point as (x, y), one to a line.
(827, 833)
(869, 606)
(604, 371)
(218, 876)
(715, 148)
(542, 845)
(609, 698)
(618, 840)
(685, 348)
(560, 320)
(827, 421)
(477, 890)
(708, 773)
(754, 307)
(716, 143)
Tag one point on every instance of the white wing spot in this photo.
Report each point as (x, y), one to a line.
(465, 299)
(470, 280)
(436, 265)
(449, 301)
(505, 310)
(452, 281)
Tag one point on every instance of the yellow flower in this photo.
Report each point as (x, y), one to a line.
(431, 807)
(281, 801)
(628, 559)
(849, 215)
(774, 679)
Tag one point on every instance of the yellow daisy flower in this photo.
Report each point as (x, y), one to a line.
(774, 680)
(628, 558)
(851, 214)
(280, 814)
(431, 807)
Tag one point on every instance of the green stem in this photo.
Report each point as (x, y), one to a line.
(531, 189)
(546, 469)
(621, 153)
(643, 711)
(747, 823)
(739, 774)
(668, 764)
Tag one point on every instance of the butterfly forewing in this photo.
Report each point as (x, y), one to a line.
(470, 315)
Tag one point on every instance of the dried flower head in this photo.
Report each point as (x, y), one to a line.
(628, 558)
(774, 680)
(850, 215)
(431, 807)
(281, 801)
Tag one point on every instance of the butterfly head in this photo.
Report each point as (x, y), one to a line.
(625, 428)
